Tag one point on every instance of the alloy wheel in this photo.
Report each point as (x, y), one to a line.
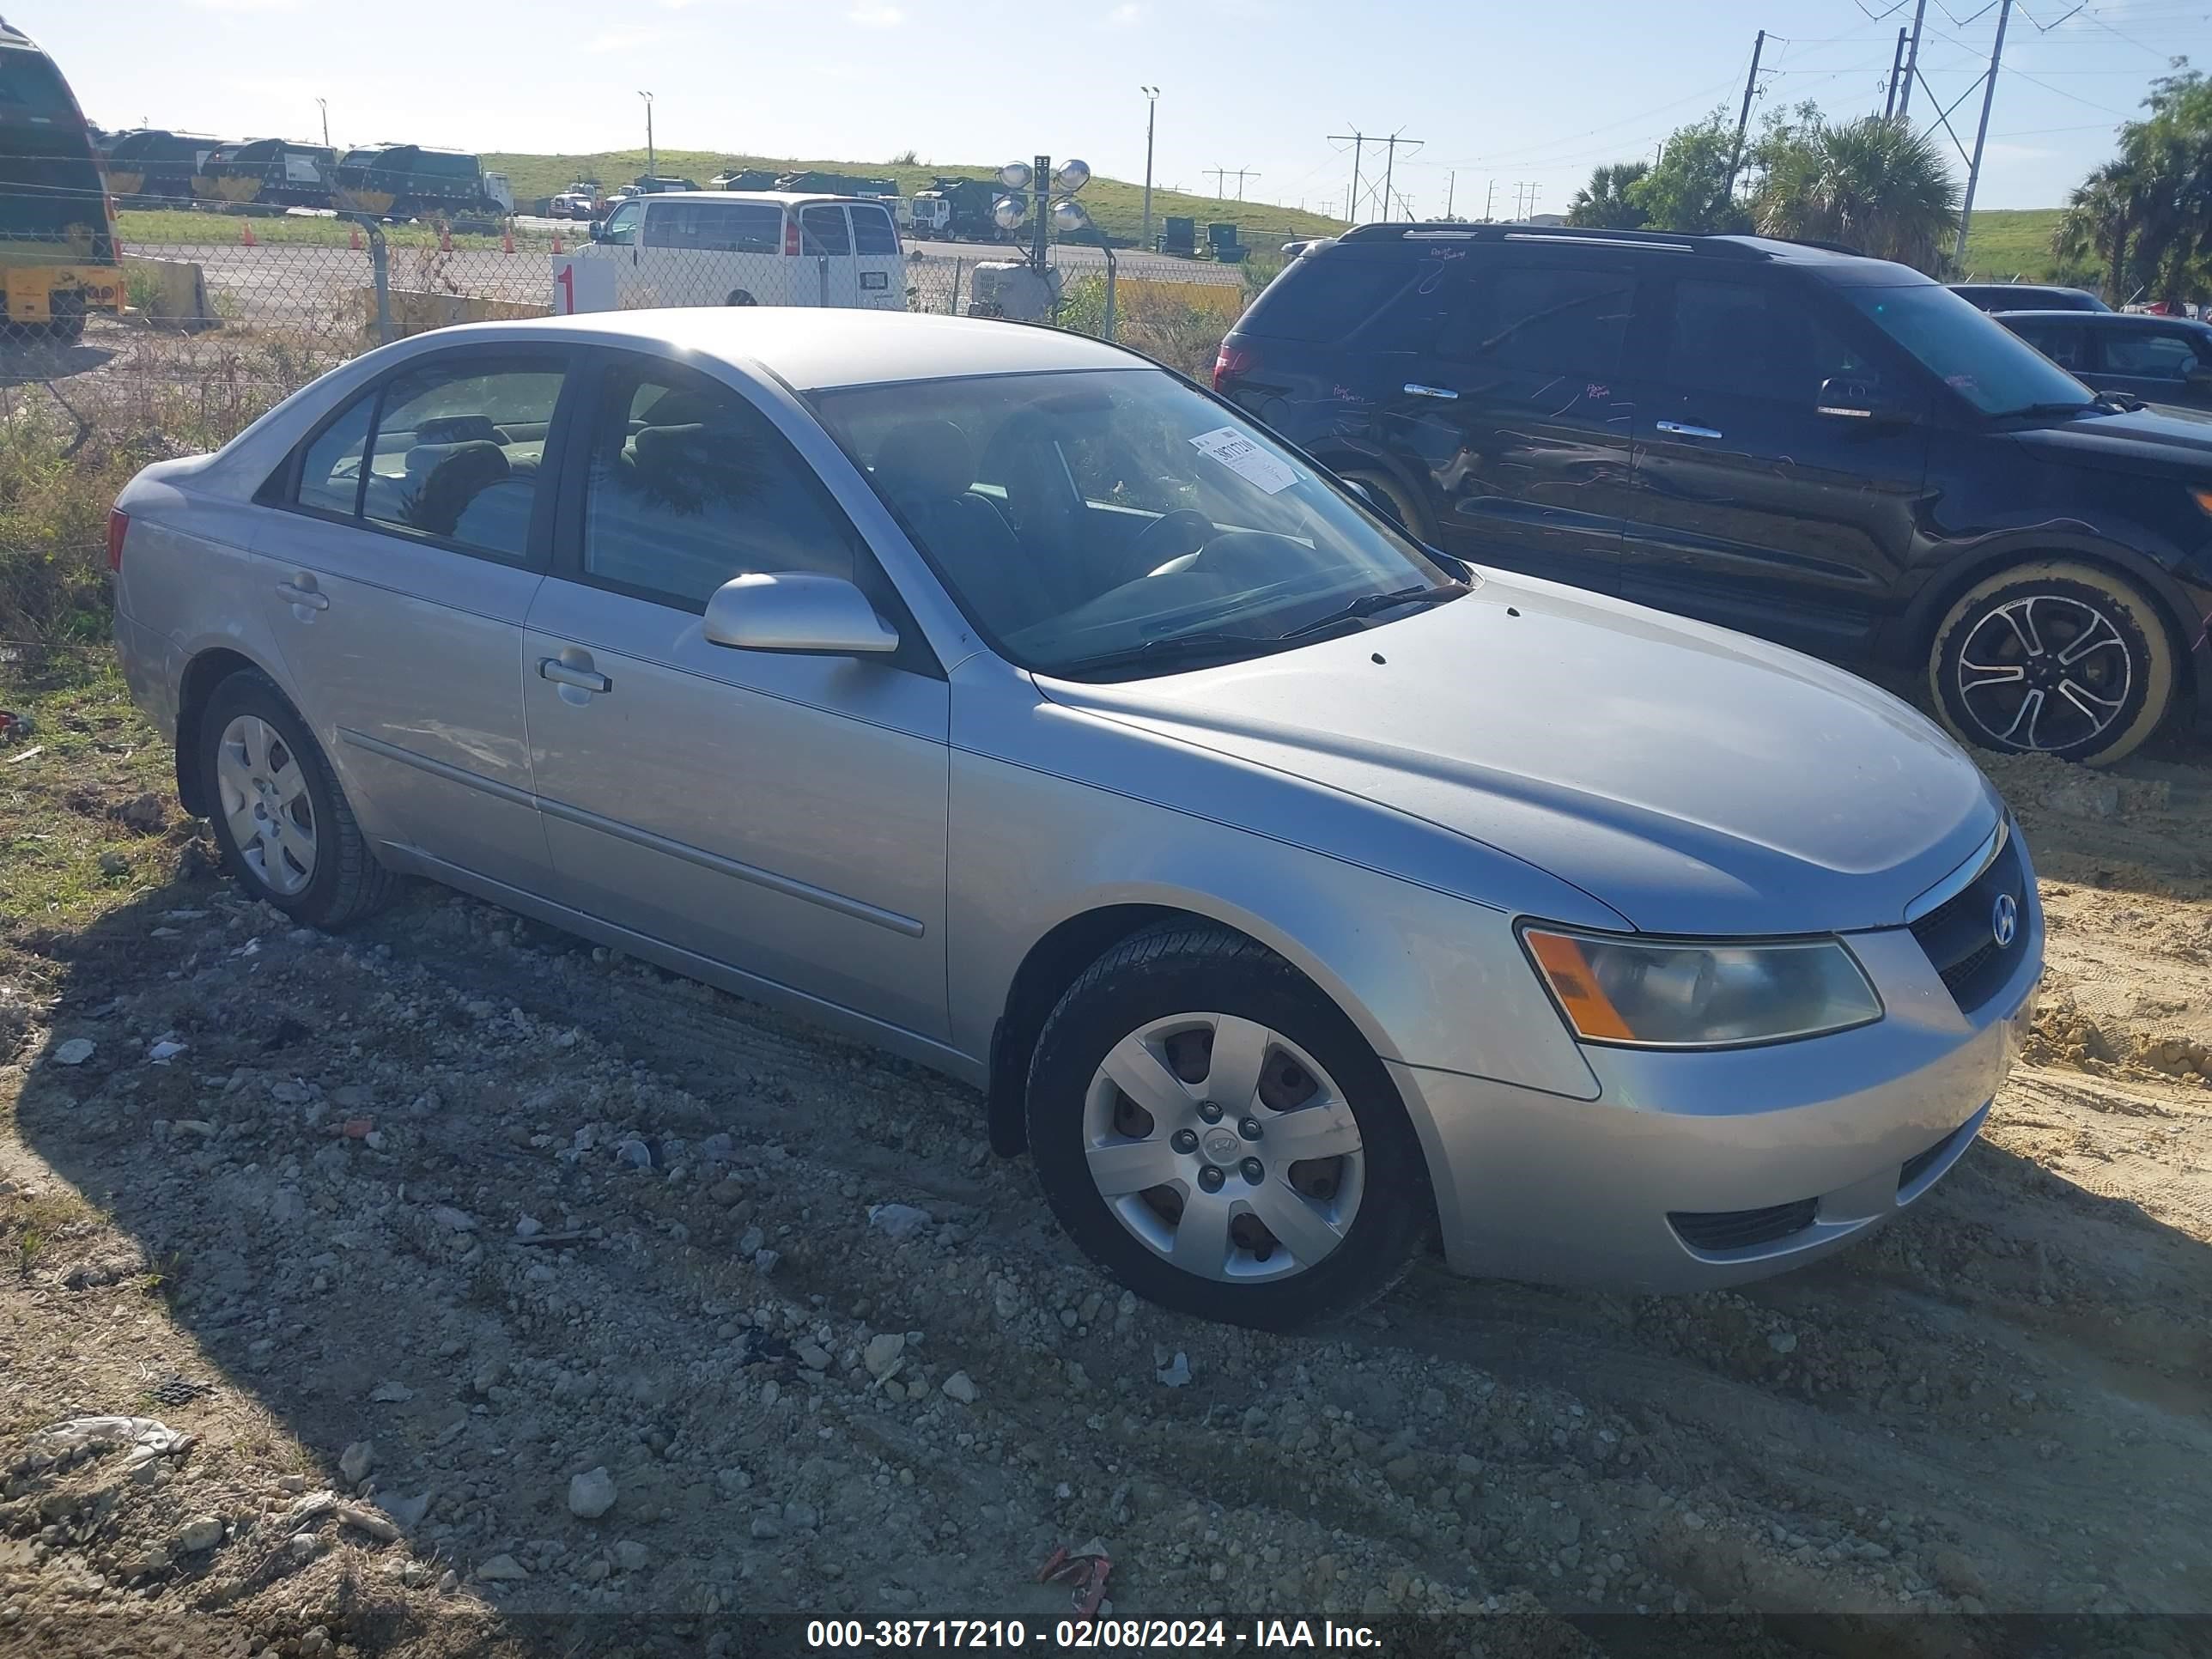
(2044, 671)
(1221, 1146)
(266, 804)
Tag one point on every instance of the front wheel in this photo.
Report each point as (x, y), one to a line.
(739, 297)
(2053, 657)
(1217, 1135)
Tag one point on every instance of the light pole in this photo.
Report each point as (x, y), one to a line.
(324, 104)
(652, 166)
(1151, 109)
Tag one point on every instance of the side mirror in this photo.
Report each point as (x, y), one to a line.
(1849, 397)
(599, 230)
(1375, 501)
(792, 610)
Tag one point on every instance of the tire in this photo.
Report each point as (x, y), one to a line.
(2017, 628)
(739, 297)
(1411, 511)
(338, 881)
(1355, 1217)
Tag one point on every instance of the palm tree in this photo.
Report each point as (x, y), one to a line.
(1875, 183)
(1604, 203)
(2102, 215)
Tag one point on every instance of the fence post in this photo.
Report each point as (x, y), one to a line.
(380, 266)
(1109, 247)
(822, 274)
(958, 266)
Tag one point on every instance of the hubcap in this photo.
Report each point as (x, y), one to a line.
(2045, 671)
(266, 804)
(1223, 1148)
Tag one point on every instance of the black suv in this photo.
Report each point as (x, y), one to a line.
(2027, 297)
(1830, 450)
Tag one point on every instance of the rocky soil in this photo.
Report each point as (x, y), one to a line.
(396, 1293)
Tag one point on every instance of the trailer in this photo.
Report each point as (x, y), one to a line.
(409, 181)
(152, 166)
(269, 172)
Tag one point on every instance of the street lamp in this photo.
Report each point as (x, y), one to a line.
(651, 166)
(1151, 109)
(323, 104)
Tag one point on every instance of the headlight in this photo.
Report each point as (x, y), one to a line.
(1676, 995)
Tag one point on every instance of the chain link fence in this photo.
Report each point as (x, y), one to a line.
(110, 361)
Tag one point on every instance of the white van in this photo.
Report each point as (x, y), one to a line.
(718, 247)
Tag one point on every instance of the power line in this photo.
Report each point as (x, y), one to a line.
(1220, 189)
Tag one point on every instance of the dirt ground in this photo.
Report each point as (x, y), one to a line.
(393, 1237)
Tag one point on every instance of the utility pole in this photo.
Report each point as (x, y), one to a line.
(1359, 142)
(323, 104)
(1896, 68)
(1151, 109)
(1489, 195)
(1981, 132)
(1911, 61)
(1390, 163)
(651, 161)
(1243, 173)
(1743, 118)
(1451, 188)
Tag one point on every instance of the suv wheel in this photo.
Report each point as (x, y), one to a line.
(285, 829)
(1216, 1134)
(2053, 658)
(1411, 513)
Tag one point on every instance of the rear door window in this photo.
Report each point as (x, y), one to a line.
(456, 451)
(2066, 344)
(1750, 339)
(1551, 320)
(330, 472)
(874, 232)
(2149, 355)
(823, 228)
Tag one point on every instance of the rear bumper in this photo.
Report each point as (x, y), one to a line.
(154, 668)
(1829, 1138)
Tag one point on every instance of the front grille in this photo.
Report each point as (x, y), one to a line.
(1960, 934)
(1721, 1230)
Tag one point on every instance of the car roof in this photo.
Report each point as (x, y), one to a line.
(812, 349)
(783, 198)
(2109, 319)
(1833, 264)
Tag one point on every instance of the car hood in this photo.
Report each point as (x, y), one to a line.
(2166, 432)
(1693, 780)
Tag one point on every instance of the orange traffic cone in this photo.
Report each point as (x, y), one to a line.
(445, 237)
(556, 241)
(245, 233)
(356, 242)
(507, 241)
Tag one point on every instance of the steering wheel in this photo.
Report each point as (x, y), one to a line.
(1191, 528)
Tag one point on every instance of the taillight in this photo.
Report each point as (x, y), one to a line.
(119, 526)
(1229, 362)
(790, 238)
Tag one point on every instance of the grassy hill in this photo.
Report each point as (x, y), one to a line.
(1116, 206)
(2008, 242)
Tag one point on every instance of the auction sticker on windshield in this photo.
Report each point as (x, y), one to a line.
(1245, 459)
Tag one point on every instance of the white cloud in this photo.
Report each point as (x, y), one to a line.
(873, 16)
(622, 39)
(1125, 16)
(247, 5)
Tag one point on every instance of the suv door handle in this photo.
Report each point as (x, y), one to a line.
(1680, 430)
(293, 593)
(561, 673)
(1416, 389)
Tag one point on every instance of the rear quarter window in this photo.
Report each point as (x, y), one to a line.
(1322, 298)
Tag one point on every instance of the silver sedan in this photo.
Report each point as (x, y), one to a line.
(1293, 892)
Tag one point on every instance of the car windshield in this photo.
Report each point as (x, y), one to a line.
(1118, 521)
(1978, 357)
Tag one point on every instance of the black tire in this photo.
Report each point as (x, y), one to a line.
(2003, 640)
(1176, 969)
(347, 883)
(1412, 512)
(739, 297)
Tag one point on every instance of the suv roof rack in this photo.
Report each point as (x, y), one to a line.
(1719, 247)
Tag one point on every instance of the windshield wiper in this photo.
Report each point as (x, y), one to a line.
(2120, 402)
(1368, 603)
(2104, 403)
(1167, 648)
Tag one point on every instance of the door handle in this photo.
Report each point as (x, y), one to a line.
(292, 593)
(1416, 389)
(1680, 430)
(561, 673)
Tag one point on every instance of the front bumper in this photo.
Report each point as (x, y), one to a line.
(1535, 1186)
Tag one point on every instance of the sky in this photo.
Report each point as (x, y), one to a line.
(1509, 104)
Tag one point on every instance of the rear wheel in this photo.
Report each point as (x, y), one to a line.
(2057, 658)
(1411, 512)
(1216, 1134)
(285, 828)
(739, 297)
